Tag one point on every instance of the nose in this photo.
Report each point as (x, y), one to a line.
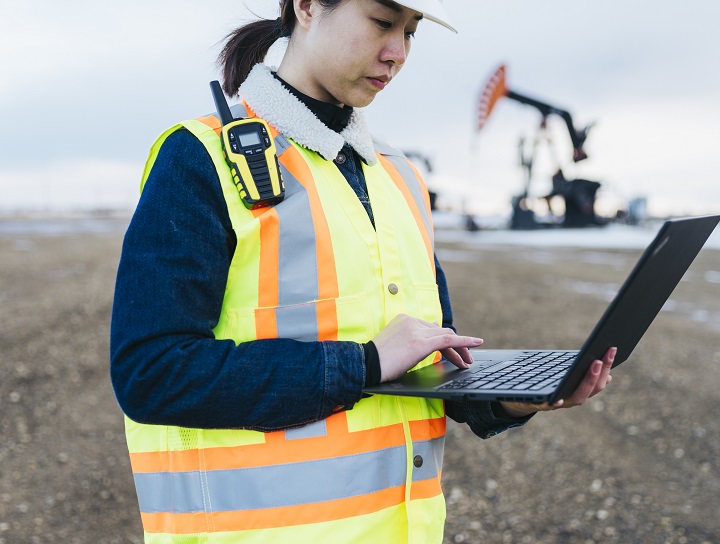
(395, 50)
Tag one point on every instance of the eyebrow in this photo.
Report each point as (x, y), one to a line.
(397, 8)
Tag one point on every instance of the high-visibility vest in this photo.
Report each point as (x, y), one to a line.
(311, 268)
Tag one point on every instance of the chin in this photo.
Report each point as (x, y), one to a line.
(360, 101)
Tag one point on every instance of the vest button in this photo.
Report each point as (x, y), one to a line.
(393, 289)
(418, 461)
(341, 158)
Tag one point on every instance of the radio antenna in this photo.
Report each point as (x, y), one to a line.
(221, 104)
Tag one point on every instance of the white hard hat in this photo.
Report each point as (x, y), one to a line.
(432, 10)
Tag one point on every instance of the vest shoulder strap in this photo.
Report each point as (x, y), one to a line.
(386, 149)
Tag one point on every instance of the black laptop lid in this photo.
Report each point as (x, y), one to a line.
(643, 294)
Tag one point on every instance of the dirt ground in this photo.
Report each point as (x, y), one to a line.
(639, 464)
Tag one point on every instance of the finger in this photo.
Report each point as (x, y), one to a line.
(459, 355)
(452, 340)
(604, 377)
(462, 352)
(455, 358)
(587, 385)
(528, 407)
(466, 355)
(447, 338)
(608, 360)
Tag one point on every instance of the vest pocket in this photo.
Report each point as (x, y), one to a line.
(427, 299)
(343, 318)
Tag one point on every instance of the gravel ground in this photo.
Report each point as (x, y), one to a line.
(640, 463)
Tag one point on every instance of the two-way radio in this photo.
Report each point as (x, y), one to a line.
(250, 152)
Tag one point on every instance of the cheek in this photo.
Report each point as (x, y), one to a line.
(352, 45)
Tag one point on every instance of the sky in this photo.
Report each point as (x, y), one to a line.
(88, 86)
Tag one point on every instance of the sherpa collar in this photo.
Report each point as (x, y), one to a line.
(279, 107)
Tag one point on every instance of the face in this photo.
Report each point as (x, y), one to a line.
(349, 54)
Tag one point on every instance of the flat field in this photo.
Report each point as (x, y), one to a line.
(640, 463)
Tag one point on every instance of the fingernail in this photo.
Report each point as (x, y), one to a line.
(597, 366)
(478, 341)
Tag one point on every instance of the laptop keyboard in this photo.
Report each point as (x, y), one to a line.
(531, 372)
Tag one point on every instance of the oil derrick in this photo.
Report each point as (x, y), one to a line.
(578, 194)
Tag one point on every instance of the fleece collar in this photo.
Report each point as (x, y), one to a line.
(279, 107)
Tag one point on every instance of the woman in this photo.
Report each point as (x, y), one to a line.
(242, 339)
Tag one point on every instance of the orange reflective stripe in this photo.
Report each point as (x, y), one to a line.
(327, 319)
(427, 429)
(337, 425)
(402, 186)
(426, 489)
(265, 317)
(426, 195)
(275, 450)
(213, 122)
(328, 289)
(273, 517)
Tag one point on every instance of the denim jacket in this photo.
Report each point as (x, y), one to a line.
(166, 366)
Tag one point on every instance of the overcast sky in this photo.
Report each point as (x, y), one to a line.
(87, 86)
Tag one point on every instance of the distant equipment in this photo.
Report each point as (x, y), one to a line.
(579, 194)
(497, 88)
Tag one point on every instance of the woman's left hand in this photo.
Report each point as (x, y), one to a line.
(596, 379)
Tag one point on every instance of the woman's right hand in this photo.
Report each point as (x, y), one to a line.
(406, 341)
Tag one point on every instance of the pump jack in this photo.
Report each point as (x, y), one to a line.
(579, 194)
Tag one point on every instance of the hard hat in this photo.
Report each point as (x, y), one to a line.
(432, 10)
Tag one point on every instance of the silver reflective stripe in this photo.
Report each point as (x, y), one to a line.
(432, 454)
(238, 111)
(275, 486)
(413, 183)
(314, 430)
(297, 263)
(298, 273)
(385, 149)
(297, 322)
(169, 492)
(281, 143)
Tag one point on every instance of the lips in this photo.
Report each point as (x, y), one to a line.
(379, 82)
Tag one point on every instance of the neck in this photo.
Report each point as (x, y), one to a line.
(291, 70)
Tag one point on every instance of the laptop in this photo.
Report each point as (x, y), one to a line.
(549, 375)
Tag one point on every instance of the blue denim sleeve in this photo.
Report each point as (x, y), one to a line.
(485, 419)
(166, 366)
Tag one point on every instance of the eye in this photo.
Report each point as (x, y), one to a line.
(383, 24)
(410, 35)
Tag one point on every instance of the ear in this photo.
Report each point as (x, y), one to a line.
(305, 11)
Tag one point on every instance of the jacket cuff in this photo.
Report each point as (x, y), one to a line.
(344, 376)
(486, 419)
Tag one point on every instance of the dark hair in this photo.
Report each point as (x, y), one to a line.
(247, 46)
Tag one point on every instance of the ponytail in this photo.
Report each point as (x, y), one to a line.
(247, 46)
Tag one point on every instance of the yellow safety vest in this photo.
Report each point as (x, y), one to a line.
(310, 268)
